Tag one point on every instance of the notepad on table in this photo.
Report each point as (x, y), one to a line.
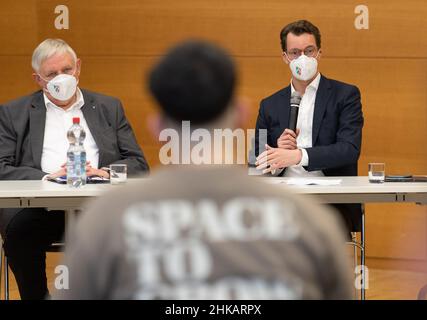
(310, 181)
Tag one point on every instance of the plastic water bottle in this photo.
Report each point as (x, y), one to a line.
(76, 155)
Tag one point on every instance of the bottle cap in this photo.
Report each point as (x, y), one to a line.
(76, 120)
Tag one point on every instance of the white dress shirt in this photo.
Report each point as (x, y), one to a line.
(55, 143)
(305, 124)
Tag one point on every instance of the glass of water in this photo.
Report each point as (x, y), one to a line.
(376, 172)
(118, 173)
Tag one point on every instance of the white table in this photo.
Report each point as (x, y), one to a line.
(35, 194)
(26, 194)
(359, 190)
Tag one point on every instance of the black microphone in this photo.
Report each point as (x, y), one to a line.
(293, 113)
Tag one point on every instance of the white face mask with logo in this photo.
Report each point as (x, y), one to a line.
(62, 87)
(304, 68)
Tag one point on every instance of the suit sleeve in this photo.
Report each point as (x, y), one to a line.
(130, 152)
(263, 136)
(346, 149)
(262, 131)
(9, 169)
(260, 124)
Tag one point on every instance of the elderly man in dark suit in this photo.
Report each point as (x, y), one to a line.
(33, 146)
(328, 137)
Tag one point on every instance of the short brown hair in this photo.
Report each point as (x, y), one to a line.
(298, 28)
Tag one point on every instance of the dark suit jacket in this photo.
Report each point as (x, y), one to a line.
(22, 125)
(337, 128)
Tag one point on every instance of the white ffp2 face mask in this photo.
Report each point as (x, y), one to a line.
(62, 87)
(303, 68)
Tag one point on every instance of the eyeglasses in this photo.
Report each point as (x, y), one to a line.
(295, 53)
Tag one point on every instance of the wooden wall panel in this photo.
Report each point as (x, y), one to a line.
(396, 231)
(246, 27)
(16, 79)
(18, 27)
(120, 41)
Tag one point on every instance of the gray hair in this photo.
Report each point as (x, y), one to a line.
(47, 49)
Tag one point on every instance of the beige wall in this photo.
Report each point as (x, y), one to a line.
(388, 62)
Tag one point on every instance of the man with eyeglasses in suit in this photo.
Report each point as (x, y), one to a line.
(328, 135)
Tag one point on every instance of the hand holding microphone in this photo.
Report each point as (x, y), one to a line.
(288, 139)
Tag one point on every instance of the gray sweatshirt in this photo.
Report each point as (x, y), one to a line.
(205, 233)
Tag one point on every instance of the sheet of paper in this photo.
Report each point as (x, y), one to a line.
(311, 181)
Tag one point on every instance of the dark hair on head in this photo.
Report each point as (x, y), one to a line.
(195, 81)
(298, 28)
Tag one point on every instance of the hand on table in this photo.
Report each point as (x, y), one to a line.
(277, 158)
(91, 171)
